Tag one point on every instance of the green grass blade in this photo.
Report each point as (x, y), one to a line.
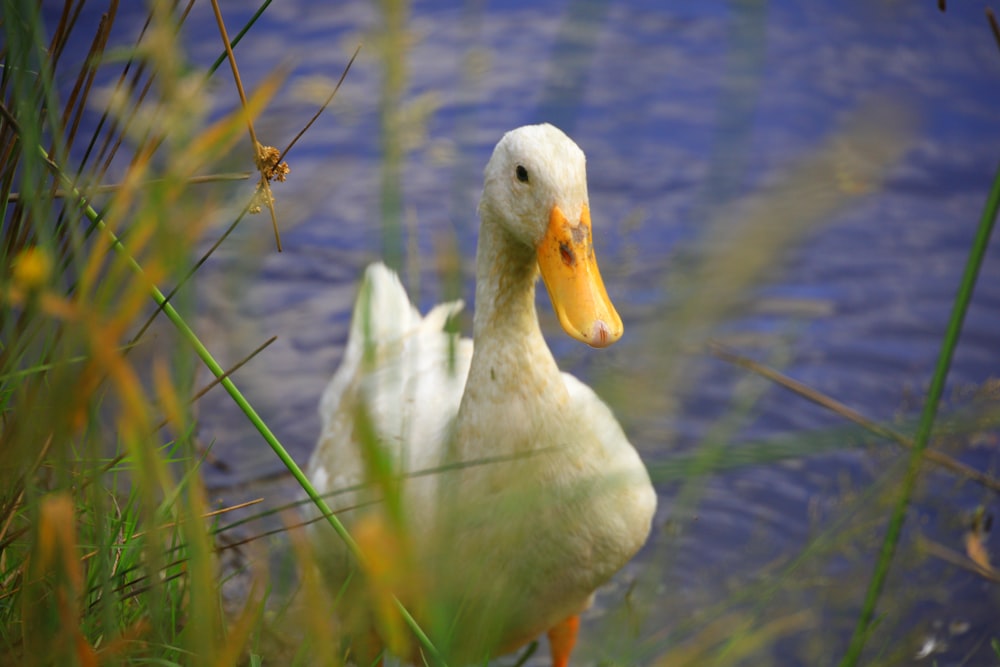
(236, 40)
(206, 357)
(948, 345)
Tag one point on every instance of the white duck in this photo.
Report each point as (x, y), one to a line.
(490, 492)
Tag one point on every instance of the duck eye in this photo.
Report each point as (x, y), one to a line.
(522, 174)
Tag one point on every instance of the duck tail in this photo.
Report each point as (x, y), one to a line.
(382, 312)
(382, 315)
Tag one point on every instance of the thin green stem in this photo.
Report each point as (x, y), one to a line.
(948, 345)
(236, 40)
(244, 405)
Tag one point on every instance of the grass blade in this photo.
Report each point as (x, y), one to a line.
(206, 357)
(948, 345)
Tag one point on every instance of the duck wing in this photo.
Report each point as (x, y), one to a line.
(404, 373)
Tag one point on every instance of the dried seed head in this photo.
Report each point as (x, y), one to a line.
(268, 165)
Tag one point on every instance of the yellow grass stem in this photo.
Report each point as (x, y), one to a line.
(264, 184)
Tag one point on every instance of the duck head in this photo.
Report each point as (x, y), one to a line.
(535, 187)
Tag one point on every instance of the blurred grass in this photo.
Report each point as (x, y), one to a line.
(107, 549)
(105, 544)
(963, 298)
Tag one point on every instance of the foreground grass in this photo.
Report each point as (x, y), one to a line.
(105, 546)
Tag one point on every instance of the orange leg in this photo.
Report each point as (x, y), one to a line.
(366, 649)
(562, 639)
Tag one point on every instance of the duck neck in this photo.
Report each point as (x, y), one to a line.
(509, 347)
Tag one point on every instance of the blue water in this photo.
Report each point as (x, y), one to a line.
(681, 109)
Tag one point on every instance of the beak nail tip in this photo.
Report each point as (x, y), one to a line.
(601, 334)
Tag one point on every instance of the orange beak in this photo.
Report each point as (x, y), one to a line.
(569, 269)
